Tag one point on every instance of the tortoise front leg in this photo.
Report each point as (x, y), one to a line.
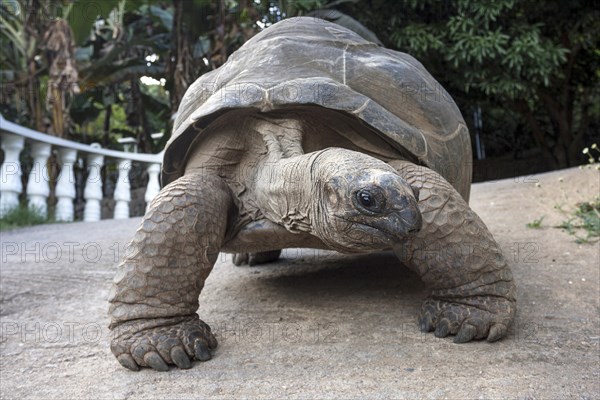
(154, 297)
(473, 290)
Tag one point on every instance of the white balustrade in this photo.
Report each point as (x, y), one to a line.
(93, 187)
(153, 184)
(38, 183)
(65, 186)
(10, 173)
(122, 194)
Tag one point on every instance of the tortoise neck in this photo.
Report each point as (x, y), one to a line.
(285, 190)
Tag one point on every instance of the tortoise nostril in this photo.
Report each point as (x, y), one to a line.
(412, 220)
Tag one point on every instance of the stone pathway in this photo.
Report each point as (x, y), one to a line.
(315, 324)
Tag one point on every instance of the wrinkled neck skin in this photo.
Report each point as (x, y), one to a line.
(284, 189)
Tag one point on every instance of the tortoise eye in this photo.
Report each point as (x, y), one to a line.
(371, 199)
(365, 199)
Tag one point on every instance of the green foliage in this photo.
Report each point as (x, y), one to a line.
(494, 45)
(287, 8)
(532, 67)
(82, 15)
(536, 223)
(14, 50)
(586, 218)
(586, 215)
(419, 37)
(534, 61)
(299, 6)
(130, 40)
(22, 216)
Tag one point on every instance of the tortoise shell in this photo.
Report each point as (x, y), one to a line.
(310, 63)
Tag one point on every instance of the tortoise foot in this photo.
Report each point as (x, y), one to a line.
(251, 259)
(477, 317)
(156, 348)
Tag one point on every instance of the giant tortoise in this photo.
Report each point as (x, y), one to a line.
(309, 136)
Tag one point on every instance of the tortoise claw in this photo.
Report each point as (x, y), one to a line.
(180, 358)
(425, 323)
(154, 361)
(201, 351)
(476, 317)
(128, 362)
(442, 329)
(497, 332)
(466, 333)
(156, 348)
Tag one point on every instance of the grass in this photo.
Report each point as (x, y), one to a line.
(22, 216)
(584, 219)
(536, 223)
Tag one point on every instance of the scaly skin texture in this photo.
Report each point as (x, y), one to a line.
(154, 297)
(473, 290)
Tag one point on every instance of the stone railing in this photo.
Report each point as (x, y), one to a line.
(69, 154)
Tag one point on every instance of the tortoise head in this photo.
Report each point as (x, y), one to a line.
(362, 203)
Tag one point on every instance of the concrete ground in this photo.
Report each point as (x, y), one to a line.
(314, 325)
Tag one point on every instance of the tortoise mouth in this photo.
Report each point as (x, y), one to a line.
(370, 238)
(391, 228)
(391, 237)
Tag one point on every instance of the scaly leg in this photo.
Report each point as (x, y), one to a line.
(473, 290)
(154, 297)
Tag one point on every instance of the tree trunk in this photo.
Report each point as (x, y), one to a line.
(577, 144)
(107, 115)
(221, 34)
(33, 88)
(144, 137)
(559, 116)
(538, 134)
(561, 157)
(176, 61)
